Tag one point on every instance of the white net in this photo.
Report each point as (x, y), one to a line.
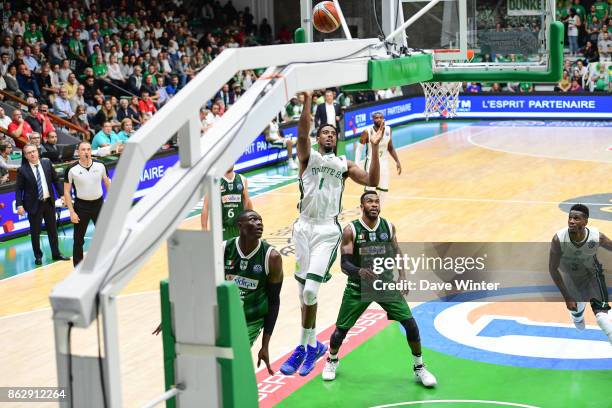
(441, 98)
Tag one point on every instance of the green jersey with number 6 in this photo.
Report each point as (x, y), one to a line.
(250, 273)
(232, 204)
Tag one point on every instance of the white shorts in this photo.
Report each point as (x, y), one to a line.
(316, 246)
(383, 181)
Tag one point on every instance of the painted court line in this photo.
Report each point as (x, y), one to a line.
(502, 403)
(274, 388)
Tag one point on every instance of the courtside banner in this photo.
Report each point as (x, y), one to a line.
(486, 106)
(258, 154)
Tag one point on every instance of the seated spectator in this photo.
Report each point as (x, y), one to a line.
(496, 87)
(27, 82)
(127, 130)
(47, 84)
(57, 51)
(590, 52)
(71, 86)
(44, 114)
(146, 105)
(295, 107)
(604, 46)
(5, 151)
(51, 151)
(80, 119)
(565, 84)
(275, 138)
(5, 121)
(61, 106)
(5, 62)
(127, 111)
(100, 69)
(525, 87)
(40, 124)
(212, 117)
(161, 91)
(106, 114)
(174, 87)
(91, 91)
(185, 72)
(105, 137)
(11, 81)
(575, 86)
(19, 129)
(114, 72)
(473, 87)
(29, 60)
(64, 71)
(150, 88)
(78, 98)
(601, 78)
(135, 81)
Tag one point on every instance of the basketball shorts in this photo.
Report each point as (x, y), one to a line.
(230, 231)
(383, 182)
(353, 306)
(589, 287)
(253, 329)
(316, 246)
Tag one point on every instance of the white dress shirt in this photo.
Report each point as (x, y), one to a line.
(43, 180)
(331, 113)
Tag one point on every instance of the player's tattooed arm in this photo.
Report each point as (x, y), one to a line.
(273, 289)
(553, 268)
(605, 242)
(303, 140)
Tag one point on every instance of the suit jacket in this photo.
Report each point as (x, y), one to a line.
(26, 194)
(321, 115)
(51, 152)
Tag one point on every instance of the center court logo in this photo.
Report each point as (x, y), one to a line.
(523, 334)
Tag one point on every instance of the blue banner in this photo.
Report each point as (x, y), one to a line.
(258, 154)
(483, 106)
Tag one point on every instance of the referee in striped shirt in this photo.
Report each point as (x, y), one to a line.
(85, 177)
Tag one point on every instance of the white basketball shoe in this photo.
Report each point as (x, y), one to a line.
(424, 377)
(329, 371)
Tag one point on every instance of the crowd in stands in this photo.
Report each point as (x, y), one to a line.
(588, 32)
(106, 66)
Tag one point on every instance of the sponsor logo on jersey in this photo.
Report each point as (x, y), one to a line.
(230, 186)
(231, 198)
(243, 283)
(257, 268)
(372, 236)
(239, 186)
(520, 334)
(384, 236)
(243, 264)
(229, 264)
(591, 244)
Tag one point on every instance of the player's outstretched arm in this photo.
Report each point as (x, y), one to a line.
(248, 204)
(303, 140)
(204, 214)
(273, 288)
(605, 242)
(553, 268)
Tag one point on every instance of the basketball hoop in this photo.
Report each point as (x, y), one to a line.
(442, 98)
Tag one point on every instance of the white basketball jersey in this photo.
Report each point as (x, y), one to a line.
(579, 258)
(383, 147)
(273, 132)
(321, 186)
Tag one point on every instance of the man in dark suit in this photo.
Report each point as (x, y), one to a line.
(35, 195)
(328, 112)
(49, 148)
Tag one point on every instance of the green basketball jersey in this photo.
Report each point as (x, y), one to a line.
(250, 272)
(232, 203)
(372, 243)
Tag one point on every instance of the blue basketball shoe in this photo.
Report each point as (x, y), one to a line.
(312, 355)
(294, 361)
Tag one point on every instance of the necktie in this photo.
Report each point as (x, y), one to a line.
(39, 184)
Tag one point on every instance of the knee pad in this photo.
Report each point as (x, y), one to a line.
(311, 290)
(337, 337)
(412, 330)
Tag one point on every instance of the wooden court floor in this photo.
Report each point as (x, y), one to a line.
(478, 183)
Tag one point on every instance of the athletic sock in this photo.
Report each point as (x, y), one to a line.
(306, 334)
(418, 360)
(312, 341)
(578, 315)
(603, 320)
(333, 357)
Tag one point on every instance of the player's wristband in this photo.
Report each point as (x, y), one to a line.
(347, 266)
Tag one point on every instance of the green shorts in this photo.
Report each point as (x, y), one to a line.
(230, 232)
(353, 306)
(253, 329)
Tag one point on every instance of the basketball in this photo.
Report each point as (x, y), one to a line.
(325, 17)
